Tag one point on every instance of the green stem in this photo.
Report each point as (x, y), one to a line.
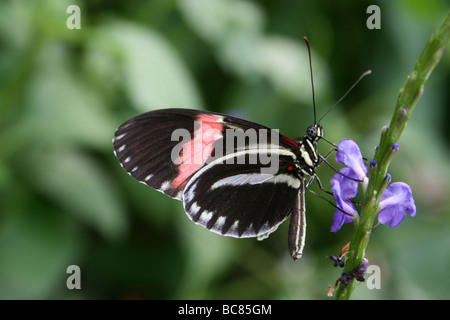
(408, 97)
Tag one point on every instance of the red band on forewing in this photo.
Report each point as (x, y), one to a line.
(290, 141)
(208, 129)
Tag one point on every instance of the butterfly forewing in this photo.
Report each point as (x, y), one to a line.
(150, 146)
(143, 146)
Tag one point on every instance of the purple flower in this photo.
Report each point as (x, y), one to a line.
(338, 261)
(349, 154)
(395, 147)
(357, 274)
(396, 200)
(344, 189)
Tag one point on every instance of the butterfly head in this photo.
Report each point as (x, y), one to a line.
(314, 133)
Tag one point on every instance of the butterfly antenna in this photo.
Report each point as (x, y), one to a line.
(312, 80)
(348, 91)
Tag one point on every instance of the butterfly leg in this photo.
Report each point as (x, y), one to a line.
(316, 178)
(321, 188)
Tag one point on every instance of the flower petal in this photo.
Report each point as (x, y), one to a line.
(339, 219)
(343, 190)
(396, 200)
(349, 154)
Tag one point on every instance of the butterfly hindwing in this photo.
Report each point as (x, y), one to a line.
(239, 200)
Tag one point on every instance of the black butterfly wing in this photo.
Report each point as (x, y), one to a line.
(150, 146)
(144, 144)
(240, 200)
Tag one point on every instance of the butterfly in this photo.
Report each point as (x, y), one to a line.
(235, 177)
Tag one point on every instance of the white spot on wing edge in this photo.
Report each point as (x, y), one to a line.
(124, 126)
(194, 209)
(165, 186)
(205, 216)
(121, 136)
(122, 147)
(220, 222)
(179, 195)
(233, 231)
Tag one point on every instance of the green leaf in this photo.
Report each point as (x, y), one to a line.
(154, 75)
(219, 21)
(36, 247)
(61, 108)
(236, 30)
(80, 187)
(285, 63)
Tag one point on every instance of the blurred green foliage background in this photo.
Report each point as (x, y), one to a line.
(65, 200)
